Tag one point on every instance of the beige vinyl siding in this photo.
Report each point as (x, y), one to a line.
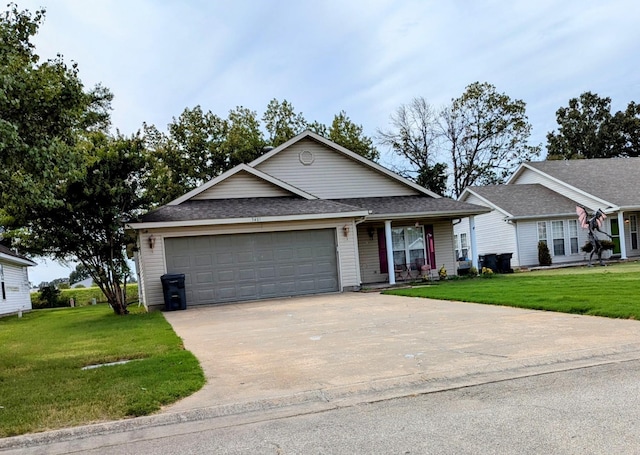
(529, 176)
(445, 249)
(370, 258)
(153, 264)
(331, 175)
(17, 292)
(242, 185)
(495, 236)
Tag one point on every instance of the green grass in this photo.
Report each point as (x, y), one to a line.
(42, 386)
(611, 291)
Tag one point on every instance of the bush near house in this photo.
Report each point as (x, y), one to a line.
(544, 256)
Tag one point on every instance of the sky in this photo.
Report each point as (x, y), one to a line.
(366, 57)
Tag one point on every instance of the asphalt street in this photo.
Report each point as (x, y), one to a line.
(591, 410)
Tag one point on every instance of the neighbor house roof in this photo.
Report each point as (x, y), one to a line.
(423, 206)
(11, 256)
(614, 180)
(525, 200)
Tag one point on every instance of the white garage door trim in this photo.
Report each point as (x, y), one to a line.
(252, 266)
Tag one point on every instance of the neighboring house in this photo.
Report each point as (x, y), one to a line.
(86, 283)
(14, 282)
(538, 203)
(307, 217)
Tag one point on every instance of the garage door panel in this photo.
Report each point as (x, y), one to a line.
(227, 268)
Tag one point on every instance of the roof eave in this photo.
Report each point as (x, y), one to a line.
(17, 260)
(436, 214)
(541, 216)
(246, 220)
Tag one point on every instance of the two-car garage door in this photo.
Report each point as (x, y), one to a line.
(236, 267)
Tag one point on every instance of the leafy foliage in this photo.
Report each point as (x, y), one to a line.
(588, 129)
(349, 135)
(487, 134)
(480, 138)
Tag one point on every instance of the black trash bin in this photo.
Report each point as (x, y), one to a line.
(480, 262)
(491, 262)
(504, 263)
(173, 290)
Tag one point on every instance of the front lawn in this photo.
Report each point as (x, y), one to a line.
(612, 291)
(43, 386)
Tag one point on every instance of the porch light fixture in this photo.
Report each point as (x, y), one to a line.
(626, 221)
(345, 230)
(152, 241)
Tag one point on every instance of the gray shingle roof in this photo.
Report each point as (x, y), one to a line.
(616, 180)
(412, 204)
(212, 209)
(10, 252)
(526, 200)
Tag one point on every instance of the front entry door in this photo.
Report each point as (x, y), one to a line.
(615, 234)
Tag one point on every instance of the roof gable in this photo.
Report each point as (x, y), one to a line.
(524, 200)
(613, 181)
(328, 170)
(8, 255)
(242, 182)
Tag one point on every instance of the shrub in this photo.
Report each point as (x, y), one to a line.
(544, 257)
(48, 297)
(442, 273)
(473, 271)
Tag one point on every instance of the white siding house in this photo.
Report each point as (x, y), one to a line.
(538, 203)
(307, 217)
(14, 282)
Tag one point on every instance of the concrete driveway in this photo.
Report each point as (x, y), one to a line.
(358, 347)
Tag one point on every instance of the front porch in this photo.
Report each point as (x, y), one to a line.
(418, 249)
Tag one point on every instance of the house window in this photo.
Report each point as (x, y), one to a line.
(573, 236)
(408, 246)
(542, 232)
(557, 231)
(633, 229)
(4, 291)
(464, 246)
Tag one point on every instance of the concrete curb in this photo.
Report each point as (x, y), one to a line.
(343, 396)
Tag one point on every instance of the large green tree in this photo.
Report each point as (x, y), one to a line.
(43, 106)
(478, 139)
(65, 186)
(350, 135)
(486, 136)
(87, 222)
(282, 122)
(588, 129)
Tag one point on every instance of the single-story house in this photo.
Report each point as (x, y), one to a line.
(538, 203)
(307, 217)
(14, 282)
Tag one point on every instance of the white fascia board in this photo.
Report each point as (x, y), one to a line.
(486, 201)
(231, 172)
(413, 215)
(541, 217)
(257, 219)
(354, 156)
(15, 260)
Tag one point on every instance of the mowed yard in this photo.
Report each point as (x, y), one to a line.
(42, 382)
(612, 291)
